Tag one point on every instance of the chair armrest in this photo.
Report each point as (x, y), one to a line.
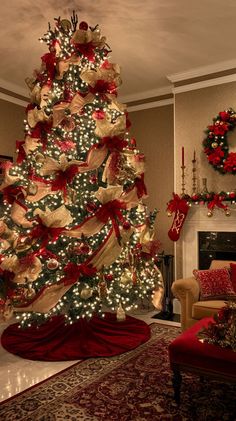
(186, 286)
(187, 291)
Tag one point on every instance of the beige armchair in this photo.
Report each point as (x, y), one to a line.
(187, 291)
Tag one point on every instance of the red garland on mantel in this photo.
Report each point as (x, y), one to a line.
(55, 341)
(180, 205)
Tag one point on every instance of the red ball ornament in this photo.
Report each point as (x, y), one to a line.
(84, 248)
(93, 179)
(108, 277)
(133, 143)
(98, 115)
(83, 25)
(126, 225)
(232, 195)
(91, 207)
(52, 264)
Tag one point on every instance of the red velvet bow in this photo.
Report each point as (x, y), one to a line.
(73, 272)
(114, 142)
(11, 193)
(112, 210)
(49, 59)
(45, 234)
(21, 152)
(63, 178)
(217, 201)
(43, 252)
(177, 203)
(41, 131)
(140, 186)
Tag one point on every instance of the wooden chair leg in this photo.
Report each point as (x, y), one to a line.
(176, 381)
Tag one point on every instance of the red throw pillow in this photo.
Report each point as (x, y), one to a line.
(233, 275)
(215, 284)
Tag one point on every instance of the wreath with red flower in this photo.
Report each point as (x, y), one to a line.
(216, 145)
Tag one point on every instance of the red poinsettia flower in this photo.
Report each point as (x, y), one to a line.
(230, 162)
(219, 128)
(103, 87)
(216, 157)
(224, 115)
(86, 49)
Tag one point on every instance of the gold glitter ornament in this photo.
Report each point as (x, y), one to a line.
(86, 293)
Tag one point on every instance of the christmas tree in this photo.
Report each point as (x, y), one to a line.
(76, 236)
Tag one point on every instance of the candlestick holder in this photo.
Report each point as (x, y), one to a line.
(204, 186)
(183, 180)
(194, 178)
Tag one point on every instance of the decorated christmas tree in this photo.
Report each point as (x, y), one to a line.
(76, 236)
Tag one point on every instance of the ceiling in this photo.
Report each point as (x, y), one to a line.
(150, 39)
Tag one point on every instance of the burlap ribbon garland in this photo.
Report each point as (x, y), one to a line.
(67, 109)
(24, 270)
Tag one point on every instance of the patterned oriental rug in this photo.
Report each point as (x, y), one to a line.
(134, 386)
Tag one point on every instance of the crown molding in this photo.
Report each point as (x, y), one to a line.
(153, 104)
(12, 87)
(13, 99)
(202, 71)
(204, 84)
(146, 94)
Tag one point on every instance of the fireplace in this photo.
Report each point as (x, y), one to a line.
(215, 245)
(219, 227)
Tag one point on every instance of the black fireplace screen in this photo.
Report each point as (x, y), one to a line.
(215, 245)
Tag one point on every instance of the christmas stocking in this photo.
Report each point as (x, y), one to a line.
(180, 207)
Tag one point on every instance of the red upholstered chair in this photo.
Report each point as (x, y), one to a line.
(189, 354)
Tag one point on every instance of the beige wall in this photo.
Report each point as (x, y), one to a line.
(153, 130)
(11, 127)
(194, 111)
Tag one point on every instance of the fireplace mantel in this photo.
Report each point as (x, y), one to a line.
(197, 220)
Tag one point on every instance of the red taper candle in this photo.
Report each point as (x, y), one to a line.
(182, 156)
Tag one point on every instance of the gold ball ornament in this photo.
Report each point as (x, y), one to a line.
(169, 214)
(30, 292)
(52, 264)
(227, 212)
(126, 277)
(39, 158)
(214, 145)
(66, 25)
(86, 293)
(32, 189)
(209, 213)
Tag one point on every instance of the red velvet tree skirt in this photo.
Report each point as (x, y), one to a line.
(54, 341)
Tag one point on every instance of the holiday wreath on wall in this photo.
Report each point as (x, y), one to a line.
(216, 144)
